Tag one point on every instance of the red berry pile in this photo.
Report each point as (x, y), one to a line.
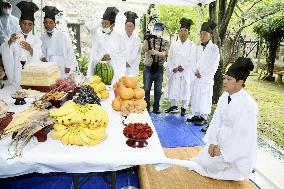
(138, 131)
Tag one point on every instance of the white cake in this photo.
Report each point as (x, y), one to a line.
(40, 74)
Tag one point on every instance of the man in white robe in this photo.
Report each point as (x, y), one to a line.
(22, 47)
(231, 139)
(8, 23)
(207, 62)
(133, 53)
(109, 46)
(179, 69)
(55, 45)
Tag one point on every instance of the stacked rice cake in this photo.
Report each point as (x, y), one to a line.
(40, 74)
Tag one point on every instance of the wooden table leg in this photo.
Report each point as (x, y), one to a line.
(113, 179)
(76, 180)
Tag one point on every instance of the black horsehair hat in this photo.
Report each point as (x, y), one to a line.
(50, 12)
(208, 26)
(130, 16)
(240, 69)
(110, 14)
(27, 10)
(6, 4)
(185, 23)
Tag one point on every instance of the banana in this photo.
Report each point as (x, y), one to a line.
(71, 136)
(59, 127)
(64, 110)
(54, 134)
(98, 134)
(58, 134)
(65, 137)
(77, 138)
(86, 140)
(76, 117)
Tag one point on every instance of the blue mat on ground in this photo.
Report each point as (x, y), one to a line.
(65, 181)
(174, 131)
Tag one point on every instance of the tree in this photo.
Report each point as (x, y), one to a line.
(247, 14)
(272, 31)
(222, 18)
(171, 15)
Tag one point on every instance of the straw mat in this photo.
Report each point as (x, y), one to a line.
(178, 177)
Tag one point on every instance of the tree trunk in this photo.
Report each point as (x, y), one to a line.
(271, 60)
(218, 81)
(259, 54)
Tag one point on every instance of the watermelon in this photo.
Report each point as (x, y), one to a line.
(105, 71)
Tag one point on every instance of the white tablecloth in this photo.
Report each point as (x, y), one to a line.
(52, 156)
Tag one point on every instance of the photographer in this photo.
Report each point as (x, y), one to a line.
(156, 50)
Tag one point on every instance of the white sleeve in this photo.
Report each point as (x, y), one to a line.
(135, 53)
(240, 146)
(37, 50)
(212, 132)
(213, 63)
(170, 62)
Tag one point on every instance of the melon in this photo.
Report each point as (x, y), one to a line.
(116, 104)
(139, 93)
(141, 104)
(104, 71)
(131, 81)
(126, 93)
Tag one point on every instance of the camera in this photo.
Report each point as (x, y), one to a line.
(150, 36)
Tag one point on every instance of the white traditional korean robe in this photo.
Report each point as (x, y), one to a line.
(181, 54)
(8, 25)
(113, 45)
(58, 49)
(13, 54)
(234, 129)
(207, 62)
(133, 53)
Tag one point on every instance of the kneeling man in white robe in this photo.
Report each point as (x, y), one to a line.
(231, 139)
(22, 47)
(179, 69)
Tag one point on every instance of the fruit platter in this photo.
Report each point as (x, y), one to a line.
(55, 97)
(129, 96)
(19, 96)
(99, 87)
(137, 134)
(135, 118)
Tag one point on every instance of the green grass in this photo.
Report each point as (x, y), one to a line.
(270, 99)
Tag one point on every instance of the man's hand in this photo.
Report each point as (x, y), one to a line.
(13, 38)
(106, 57)
(27, 47)
(180, 68)
(175, 70)
(154, 52)
(44, 59)
(197, 74)
(67, 70)
(211, 150)
(145, 46)
(127, 65)
(216, 150)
